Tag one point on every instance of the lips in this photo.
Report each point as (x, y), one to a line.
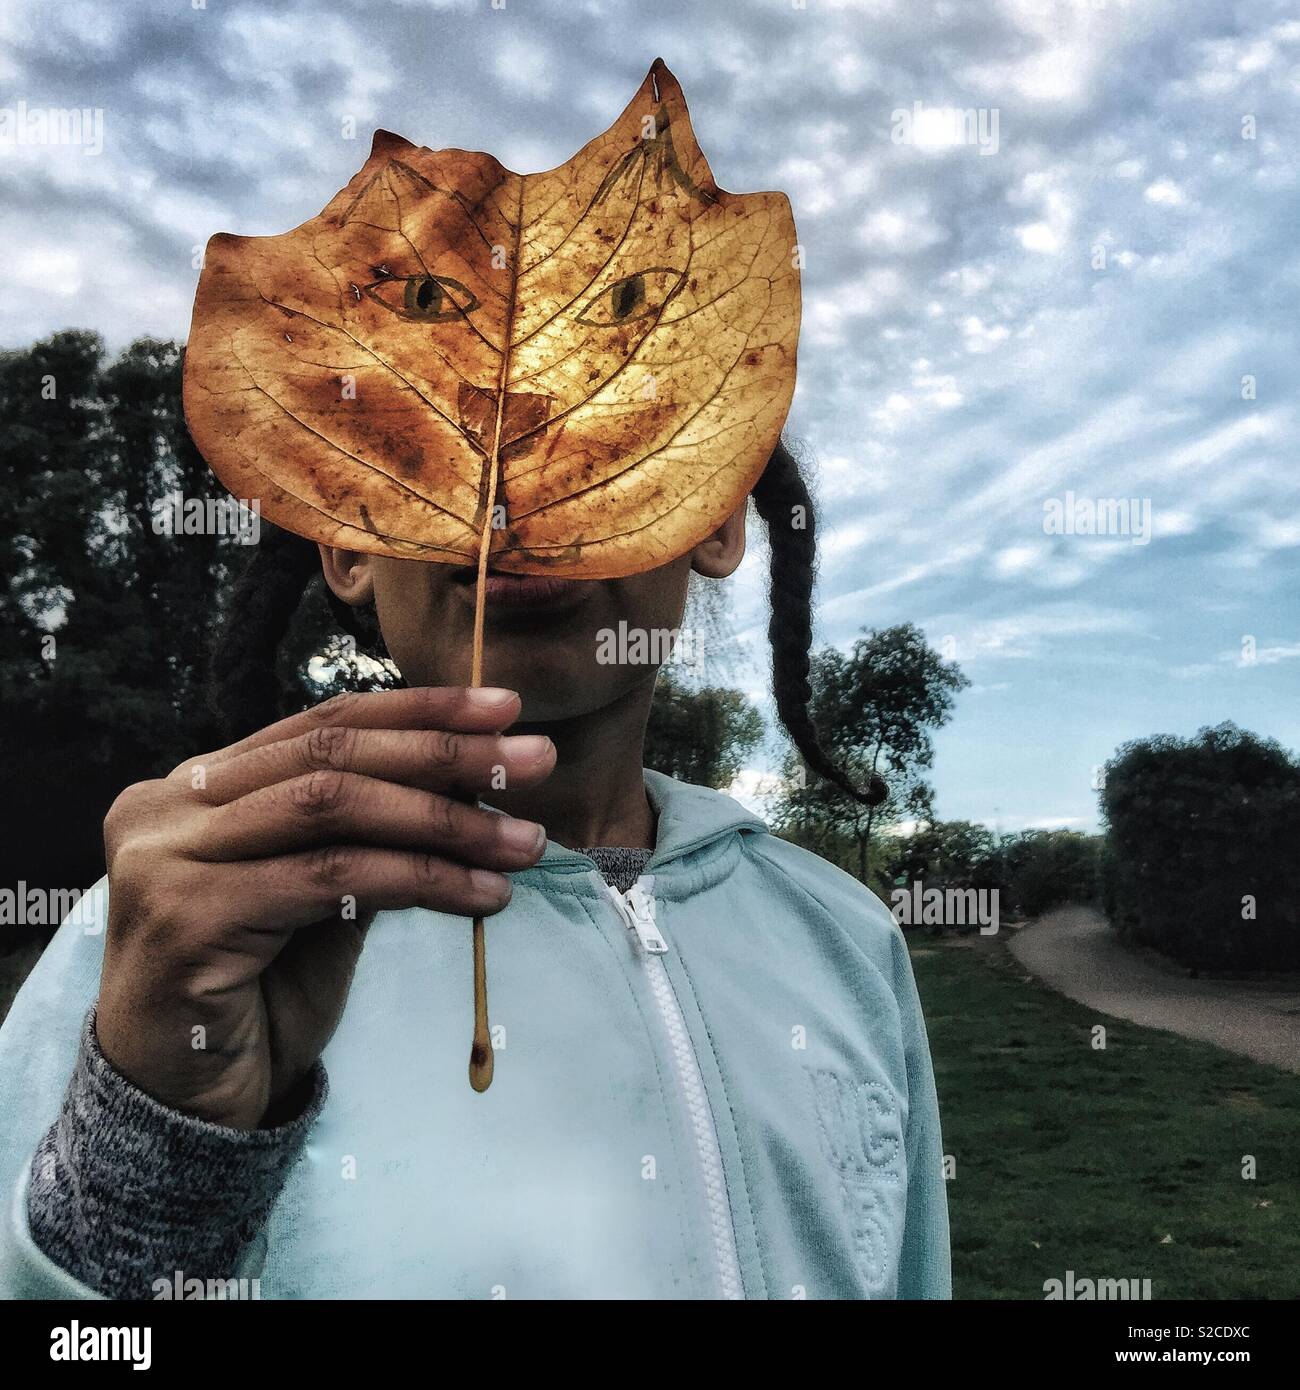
(522, 590)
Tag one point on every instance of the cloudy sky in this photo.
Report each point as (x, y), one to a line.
(1086, 290)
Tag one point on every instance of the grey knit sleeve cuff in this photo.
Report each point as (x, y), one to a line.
(125, 1191)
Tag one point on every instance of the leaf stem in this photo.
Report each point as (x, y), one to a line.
(480, 1053)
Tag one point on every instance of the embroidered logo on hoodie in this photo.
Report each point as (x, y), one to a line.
(862, 1137)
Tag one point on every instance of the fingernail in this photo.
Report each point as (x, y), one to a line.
(489, 695)
(527, 745)
(492, 888)
(526, 836)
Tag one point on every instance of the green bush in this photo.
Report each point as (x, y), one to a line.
(1032, 871)
(944, 854)
(1043, 869)
(1116, 904)
(1203, 854)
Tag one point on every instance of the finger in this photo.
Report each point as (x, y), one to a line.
(322, 808)
(432, 759)
(421, 707)
(294, 890)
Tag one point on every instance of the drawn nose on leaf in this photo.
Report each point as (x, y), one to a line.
(523, 421)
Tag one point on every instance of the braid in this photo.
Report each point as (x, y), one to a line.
(243, 686)
(776, 495)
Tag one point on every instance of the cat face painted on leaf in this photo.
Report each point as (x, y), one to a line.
(611, 343)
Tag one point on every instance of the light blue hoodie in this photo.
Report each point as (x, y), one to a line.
(715, 1086)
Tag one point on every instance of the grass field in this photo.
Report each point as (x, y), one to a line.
(1119, 1163)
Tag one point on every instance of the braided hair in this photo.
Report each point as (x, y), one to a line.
(244, 680)
(782, 500)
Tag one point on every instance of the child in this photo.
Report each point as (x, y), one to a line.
(712, 1076)
(711, 1073)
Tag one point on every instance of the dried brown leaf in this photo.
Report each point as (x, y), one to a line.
(613, 341)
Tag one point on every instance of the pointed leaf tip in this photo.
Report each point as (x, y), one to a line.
(385, 142)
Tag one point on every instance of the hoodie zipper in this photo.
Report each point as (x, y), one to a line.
(637, 908)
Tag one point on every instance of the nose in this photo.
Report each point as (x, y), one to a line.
(523, 420)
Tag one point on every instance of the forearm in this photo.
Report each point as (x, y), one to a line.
(125, 1191)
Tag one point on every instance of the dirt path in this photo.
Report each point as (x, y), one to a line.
(1075, 952)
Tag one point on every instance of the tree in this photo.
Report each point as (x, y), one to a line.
(86, 680)
(945, 854)
(874, 710)
(1200, 859)
(1042, 869)
(700, 735)
(105, 614)
(1031, 870)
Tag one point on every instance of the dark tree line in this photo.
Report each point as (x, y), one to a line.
(106, 617)
(102, 620)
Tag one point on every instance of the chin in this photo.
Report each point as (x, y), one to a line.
(570, 698)
(573, 693)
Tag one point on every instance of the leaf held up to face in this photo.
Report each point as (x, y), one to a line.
(613, 340)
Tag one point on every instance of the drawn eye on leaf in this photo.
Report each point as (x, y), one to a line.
(631, 298)
(425, 298)
(525, 439)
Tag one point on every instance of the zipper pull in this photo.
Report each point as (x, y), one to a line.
(638, 908)
(643, 920)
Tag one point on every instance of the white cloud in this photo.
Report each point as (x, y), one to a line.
(1043, 192)
(1165, 192)
(1169, 523)
(1039, 236)
(56, 271)
(756, 789)
(904, 230)
(1015, 560)
(1028, 636)
(982, 337)
(524, 67)
(1278, 533)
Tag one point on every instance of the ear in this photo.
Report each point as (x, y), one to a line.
(717, 556)
(348, 573)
